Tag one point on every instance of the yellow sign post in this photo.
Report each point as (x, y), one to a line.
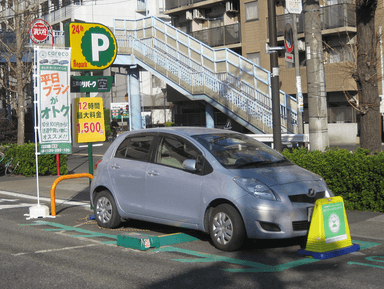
(89, 120)
(329, 234)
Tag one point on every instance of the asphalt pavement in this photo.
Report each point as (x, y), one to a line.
(367, 225)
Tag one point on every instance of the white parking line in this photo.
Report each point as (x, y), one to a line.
(2, 207)
(58, 201)
(95, 155)
(57, 250)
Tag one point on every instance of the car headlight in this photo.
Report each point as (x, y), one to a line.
(256, 188)
(328, 192)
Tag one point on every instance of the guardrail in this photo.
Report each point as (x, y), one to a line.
(57, 181)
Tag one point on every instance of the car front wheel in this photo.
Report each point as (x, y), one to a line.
(226, 228)
(105, 210)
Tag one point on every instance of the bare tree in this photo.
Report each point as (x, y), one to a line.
(17, 16)
(365, 75)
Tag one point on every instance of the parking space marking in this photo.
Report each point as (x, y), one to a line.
(253, 267)
(4, 204)
(86, 233)
(57, 250)
(43, 199)
(371, 259)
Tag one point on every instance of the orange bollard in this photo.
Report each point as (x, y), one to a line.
(58, 180)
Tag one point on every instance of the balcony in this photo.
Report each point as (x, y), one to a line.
(332, 17)
(219, 36)
(141, 6)
(173, 4)
(61, 14)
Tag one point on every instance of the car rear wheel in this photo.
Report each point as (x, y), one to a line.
(105, 210)
(226, 228)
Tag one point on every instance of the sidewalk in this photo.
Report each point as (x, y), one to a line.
(71, 189)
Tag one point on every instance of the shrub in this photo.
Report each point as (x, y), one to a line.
(356, 176)
(25, 154)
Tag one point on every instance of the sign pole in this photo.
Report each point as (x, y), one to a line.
(90, 153)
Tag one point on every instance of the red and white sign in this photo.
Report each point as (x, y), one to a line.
(294, 6)
(147, 243)
(39, 30)
(288, 38)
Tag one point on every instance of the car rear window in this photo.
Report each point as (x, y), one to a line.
(135, 148)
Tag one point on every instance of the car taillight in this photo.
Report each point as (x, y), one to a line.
(97, 163)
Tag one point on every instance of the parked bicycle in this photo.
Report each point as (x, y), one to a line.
(7, 165)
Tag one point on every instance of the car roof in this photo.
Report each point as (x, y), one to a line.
(185, 130)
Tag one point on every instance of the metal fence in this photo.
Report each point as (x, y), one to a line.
(333, 16)
(219, 36)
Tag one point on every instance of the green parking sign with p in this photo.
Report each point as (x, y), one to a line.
(93, 45)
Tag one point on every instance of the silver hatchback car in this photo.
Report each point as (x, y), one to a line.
(218, 181)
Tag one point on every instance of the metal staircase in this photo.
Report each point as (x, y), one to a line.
(226, 80)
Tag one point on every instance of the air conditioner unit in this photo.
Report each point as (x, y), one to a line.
(230, 6)
(188, 15)
(198, 14)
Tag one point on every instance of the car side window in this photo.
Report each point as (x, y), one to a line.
(135, 148)
(173, 152)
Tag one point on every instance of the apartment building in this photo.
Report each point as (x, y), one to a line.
(242, 25)
(59, 12)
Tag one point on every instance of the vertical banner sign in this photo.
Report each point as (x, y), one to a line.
(54, 110)
(89, 119)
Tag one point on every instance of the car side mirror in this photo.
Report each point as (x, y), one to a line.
(189, 165)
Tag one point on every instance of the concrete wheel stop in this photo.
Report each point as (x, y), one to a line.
(145, 242)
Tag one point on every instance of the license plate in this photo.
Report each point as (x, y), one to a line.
(310, 211)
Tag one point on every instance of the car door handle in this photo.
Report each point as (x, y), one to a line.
(116, 167)
(153, 173)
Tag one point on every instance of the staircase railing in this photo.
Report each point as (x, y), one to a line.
(221, 74)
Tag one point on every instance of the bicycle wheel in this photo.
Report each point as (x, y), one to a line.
(111, 138)
(11, 168)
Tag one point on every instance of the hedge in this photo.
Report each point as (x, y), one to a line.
(357, 176)
(25, 154)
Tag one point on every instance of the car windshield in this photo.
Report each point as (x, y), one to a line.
(236, 151)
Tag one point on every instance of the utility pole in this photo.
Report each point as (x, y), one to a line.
(317, 94)
(274, 77)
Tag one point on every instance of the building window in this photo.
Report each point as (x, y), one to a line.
(65, 3)
(55, 4)
(254, 57)
(44, 8)
(339, 54)
(251, 10)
